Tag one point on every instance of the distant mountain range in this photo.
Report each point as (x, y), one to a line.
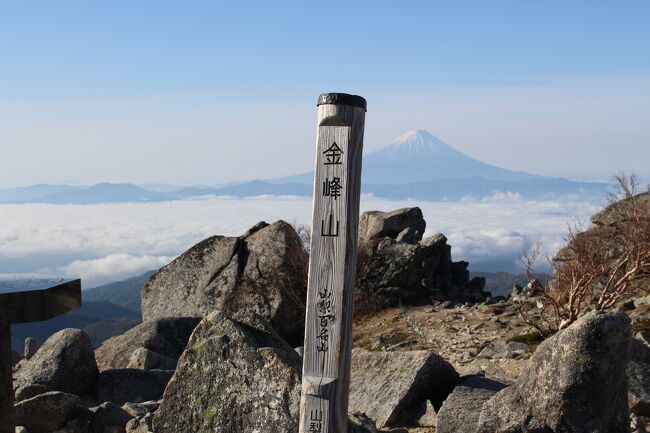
(124, 293)
(416, 165)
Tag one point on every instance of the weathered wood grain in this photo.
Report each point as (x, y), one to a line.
(328, 325)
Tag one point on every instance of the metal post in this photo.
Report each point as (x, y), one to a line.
(332, 263)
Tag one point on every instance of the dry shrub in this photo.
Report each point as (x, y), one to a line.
(596, 269)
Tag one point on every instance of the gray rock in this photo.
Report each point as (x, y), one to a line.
(45, 412)
(30, 390)
(575, 382)
(460, 411)
(166, 337)
(145, 359)
(409, 235)
(428, 415)
(110, 417)
(361, 423)
(404, 380)
(376, 225)
(638, 376)
(639, 350)
(232, 378)
(31, 346)
(65, 363)
(264, 271)
(499, 349)
(141, 409)
(141, 424)
(397, 273)
(132, 385)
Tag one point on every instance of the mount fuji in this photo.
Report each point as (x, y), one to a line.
(419, 165)
(418, 156)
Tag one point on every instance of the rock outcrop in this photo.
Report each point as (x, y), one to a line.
(264, 271)
(232, 378)
(391, 387)
(164, 337)
(575, 382)
(396, 267)
(379, 225)
(461, 410)
(65, 363)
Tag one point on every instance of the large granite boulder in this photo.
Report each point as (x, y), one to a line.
(132, 385)
(460, 411)
(378, 225)
(575, 382)
(165, 337)
(46, 412)
(264, 271)
(394, 272)
(65, 363)
(392, 387)
(233, 377)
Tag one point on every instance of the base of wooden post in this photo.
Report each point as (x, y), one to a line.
(7, 421)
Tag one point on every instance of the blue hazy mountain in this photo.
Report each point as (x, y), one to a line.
(416, 165)
(33, 192)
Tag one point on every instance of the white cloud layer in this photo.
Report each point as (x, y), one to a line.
(108, 242)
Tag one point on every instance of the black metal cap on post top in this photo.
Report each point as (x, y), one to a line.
(342, 99)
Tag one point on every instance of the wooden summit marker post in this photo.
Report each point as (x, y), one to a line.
(332, 264)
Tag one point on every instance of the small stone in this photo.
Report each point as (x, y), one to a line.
(31, 346)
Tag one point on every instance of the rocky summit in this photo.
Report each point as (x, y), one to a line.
(396, 266)
(217, 351)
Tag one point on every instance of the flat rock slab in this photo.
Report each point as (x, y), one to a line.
(392, 387)
(460, 411)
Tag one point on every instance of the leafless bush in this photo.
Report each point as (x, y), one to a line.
(597, 267)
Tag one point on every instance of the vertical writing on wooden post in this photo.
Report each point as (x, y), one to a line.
(328, 325)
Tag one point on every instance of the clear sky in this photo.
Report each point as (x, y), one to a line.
(201, 92)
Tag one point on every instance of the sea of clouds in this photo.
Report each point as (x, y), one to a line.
(109, 242)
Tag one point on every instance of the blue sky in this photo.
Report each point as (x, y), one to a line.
(203, 92)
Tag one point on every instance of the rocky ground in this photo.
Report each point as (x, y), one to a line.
(432, 351)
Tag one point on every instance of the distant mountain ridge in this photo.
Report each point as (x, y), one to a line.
(416, 165)
(124, 293)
